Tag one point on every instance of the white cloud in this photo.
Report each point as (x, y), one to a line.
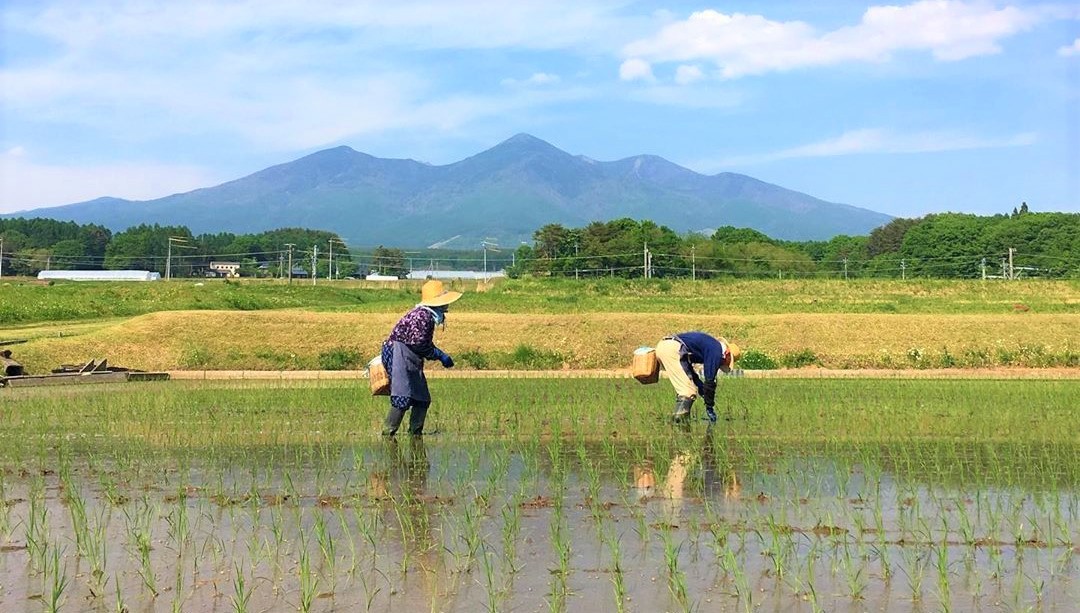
(543, 78)
(690, 96)
(687, 74)
(279, 74)
(876, 141)
(1070, 50)
(537, 79)
(25, 184)
(417, 24)
(636, 69)
(741, 44)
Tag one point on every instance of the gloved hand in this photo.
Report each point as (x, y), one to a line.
(710, 412)
(447, 361)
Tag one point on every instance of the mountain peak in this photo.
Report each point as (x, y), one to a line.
(522, 138)
(335, 152)
(526, 142)
(518, 149)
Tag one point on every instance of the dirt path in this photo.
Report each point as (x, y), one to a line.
(800, 373)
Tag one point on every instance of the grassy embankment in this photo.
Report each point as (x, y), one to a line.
(550, 323)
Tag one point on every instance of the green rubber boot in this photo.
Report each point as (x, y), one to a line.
(682, 409)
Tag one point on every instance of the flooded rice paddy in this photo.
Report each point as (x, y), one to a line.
(200, 498)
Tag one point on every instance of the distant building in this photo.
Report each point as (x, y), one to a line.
(226, 269)
(99, 275)
(378, 277)
(299, 273)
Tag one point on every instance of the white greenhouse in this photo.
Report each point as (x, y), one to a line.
(99, 275)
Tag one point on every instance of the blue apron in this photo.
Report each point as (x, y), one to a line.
(407, 373)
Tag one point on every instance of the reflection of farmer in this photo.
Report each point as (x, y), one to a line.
(711, 468)
(404, 352)
(679, 353)
(399, 472)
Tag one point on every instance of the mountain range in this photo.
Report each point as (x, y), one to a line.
(504, 193)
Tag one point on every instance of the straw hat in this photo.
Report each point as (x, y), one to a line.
(433, 294)
(732, 355)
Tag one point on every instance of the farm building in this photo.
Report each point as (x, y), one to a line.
(99, 275)
(226, 269)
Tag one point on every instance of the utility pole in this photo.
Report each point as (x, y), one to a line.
(410, 255)
(1, 256)
(576, 260)
(645, 260)
(488, 243)
(333, 240)
(280, 265)
(903, 269)
(693, 262)
(179, 240)
(314, 263)
(290, 246)
(845, 269)
(1012, 272)
(983, 267)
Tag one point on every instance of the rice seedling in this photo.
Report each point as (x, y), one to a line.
(676, 578)
(511, 528)
(241, 591)
(327, 548)
(56, 579)
(96, 553)
(309, 582)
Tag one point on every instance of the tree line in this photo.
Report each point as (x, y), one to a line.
(33, 245)
(945, 245)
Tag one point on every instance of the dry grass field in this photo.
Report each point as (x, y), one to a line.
(298, 339)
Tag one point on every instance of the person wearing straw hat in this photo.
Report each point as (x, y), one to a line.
(679, 353)
(403, 354)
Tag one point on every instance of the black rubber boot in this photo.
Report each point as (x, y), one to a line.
(417, 416)
(682, 409)
(393, 421)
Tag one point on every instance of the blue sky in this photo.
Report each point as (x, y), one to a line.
(907, 109)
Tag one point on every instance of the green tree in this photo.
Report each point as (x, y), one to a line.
(389, 261)
(889, 237)
(144, 247)
(945, 245)
(71, 255)
(733, 235)
(522, 262)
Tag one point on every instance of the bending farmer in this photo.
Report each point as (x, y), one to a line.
(404, 352)
(679, 353)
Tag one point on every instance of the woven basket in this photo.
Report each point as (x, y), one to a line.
(378, 380)
(645, 367)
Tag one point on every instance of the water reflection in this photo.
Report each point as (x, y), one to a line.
(415, 521)
(401, 470)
